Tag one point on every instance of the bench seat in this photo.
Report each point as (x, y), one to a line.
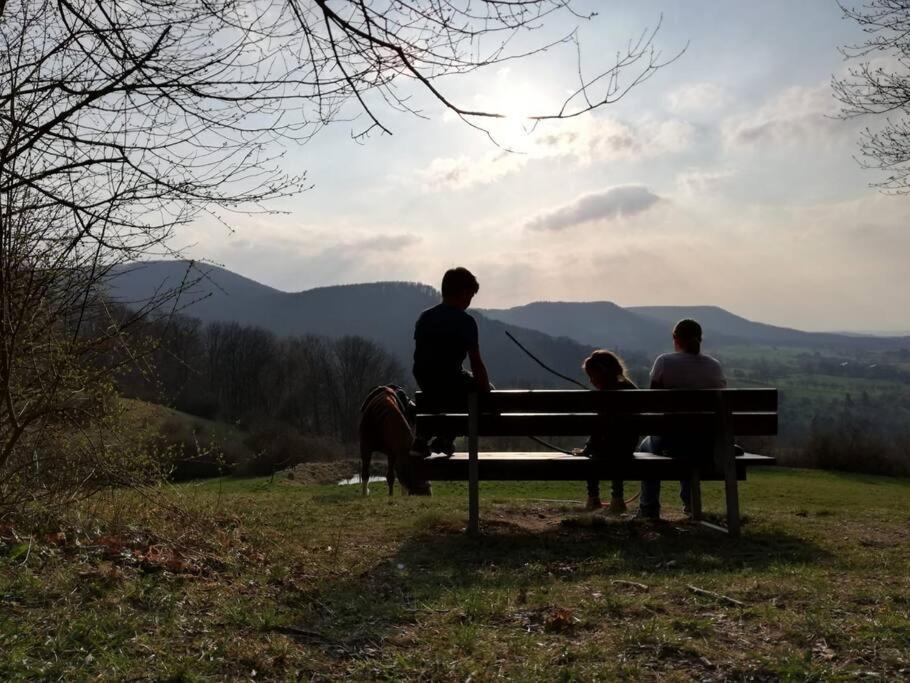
(538, 466)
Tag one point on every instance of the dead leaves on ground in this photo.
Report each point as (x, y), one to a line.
(548, 619)
(109, 553)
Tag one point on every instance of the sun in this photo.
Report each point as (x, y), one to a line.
(516, 104)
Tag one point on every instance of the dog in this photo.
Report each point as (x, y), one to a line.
(386, 428)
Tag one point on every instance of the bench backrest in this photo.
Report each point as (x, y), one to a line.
(577, 412)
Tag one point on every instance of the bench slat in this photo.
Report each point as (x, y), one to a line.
(531, 424)
(558, 467)
(628, 401)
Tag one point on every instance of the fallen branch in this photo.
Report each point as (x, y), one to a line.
(716, 596)
(633, 584)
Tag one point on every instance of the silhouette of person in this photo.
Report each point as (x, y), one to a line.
(444, 336)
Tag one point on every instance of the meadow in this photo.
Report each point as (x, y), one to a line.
(270, 579)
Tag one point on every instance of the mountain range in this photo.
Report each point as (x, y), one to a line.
(646, 328)
(383, 311)
(562, 333)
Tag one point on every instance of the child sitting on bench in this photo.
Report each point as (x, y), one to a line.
(608, 373)
(443, 337)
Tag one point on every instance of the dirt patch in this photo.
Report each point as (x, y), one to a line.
(564, 518)
(527, 519)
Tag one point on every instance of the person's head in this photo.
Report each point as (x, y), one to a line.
(605, 369)
(687, 336)
(458, 287)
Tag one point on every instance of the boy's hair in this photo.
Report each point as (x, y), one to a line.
(688, 333)
(607, 362)
(457, 280)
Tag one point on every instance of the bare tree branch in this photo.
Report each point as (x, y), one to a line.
(877, 86)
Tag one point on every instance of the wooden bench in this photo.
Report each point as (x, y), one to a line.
(715, 414)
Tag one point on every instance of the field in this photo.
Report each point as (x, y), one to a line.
(268, 579)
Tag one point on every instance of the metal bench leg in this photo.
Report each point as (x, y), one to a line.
(725, 457)
(473, 468)
(731, 486)
(695, 494)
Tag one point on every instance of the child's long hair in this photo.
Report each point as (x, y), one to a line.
(609, 364)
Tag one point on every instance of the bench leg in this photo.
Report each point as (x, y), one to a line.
(473, 468)
(731, 486)
(695, 494)
(725, 461)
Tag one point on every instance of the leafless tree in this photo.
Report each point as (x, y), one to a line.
(878, 86)
(360, 365)
(121, 122)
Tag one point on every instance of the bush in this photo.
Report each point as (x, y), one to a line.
(73, 452)
(193, 453)
(277, 446)
(867, 453)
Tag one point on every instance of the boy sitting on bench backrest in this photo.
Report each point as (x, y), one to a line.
(443, 336)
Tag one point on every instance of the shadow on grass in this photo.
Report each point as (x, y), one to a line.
(443, 572)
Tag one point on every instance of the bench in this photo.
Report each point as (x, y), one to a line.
(717, 414)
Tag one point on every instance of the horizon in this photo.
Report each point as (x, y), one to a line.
(873, 333)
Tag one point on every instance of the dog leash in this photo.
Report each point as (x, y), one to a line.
(544, 365)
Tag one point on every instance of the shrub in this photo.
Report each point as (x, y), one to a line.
(277, 446)
(192, 452)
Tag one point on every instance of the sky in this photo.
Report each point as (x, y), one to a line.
(723, 180)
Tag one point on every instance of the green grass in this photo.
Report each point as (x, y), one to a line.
(316, 583)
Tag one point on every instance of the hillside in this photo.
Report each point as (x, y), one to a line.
(200, 447)
(598, 323)
(721, 324)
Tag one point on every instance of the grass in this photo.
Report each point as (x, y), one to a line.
(279, 581)
(142, 416)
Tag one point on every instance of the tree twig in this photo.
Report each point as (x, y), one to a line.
(716, 596)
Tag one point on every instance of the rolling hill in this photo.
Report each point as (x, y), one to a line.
(598, 323)
(384, 312)
(727, 327)
(602, 324)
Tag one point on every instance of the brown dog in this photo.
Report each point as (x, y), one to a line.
(386, 429)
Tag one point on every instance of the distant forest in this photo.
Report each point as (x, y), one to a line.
(837, 413)
(247, 375)
(283, 390)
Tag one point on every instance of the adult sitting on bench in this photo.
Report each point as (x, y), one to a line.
(686, 368)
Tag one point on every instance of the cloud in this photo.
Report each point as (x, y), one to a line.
(585, 141)
(614, 202)
(698, 182)
(358, 255)
(279, 251)
(379, 243)
(597, 140)
(697, 97)
(796, 115)
(461, 172)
